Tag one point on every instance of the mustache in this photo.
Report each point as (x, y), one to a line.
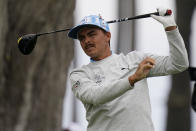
(89, 45)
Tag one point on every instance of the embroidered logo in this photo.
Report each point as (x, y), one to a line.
(125, 68)
(77, 84)
(99, 78)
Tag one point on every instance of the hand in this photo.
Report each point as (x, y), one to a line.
(167, 21)
(142, 70)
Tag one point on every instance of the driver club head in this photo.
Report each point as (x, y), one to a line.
(27, 43)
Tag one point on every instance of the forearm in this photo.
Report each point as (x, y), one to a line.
(92, 93)
(178, 52)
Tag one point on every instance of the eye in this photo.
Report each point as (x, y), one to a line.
(80, 38)
(92, 34)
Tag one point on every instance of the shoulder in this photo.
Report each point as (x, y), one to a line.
(79, 71)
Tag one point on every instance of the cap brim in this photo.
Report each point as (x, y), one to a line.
(74, 31)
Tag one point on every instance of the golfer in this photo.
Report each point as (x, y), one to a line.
(113, 87)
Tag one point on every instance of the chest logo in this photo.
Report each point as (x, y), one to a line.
(99, 78)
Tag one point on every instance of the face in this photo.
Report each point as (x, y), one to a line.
(95, 42)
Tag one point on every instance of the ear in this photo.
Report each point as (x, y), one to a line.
(108, 35)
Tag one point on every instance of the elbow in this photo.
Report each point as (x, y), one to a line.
(186, 62)
(177, 67)
(185, 66)
(182, 67)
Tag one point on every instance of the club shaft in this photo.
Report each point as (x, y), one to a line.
(39, 34)
(132, 18)
(112, 21)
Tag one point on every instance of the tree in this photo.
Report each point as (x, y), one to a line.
(32, 87)
(179, 97)
(126, 44)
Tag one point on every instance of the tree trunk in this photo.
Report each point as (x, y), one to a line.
(126, 38)
(179, 97)
(32, 87)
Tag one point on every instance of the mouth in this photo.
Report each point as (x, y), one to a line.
(89, 46)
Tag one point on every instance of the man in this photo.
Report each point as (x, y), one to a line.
(113, 88)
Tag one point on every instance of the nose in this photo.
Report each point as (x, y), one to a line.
(86, 40)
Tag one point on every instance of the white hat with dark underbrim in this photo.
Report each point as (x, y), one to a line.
(91, 20)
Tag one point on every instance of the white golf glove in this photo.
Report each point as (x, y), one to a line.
(167, 20)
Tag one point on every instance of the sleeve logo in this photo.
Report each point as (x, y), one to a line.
(77, 84)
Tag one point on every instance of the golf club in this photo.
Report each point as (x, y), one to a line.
(27, 42)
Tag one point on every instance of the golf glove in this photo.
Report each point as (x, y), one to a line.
(165, 20)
